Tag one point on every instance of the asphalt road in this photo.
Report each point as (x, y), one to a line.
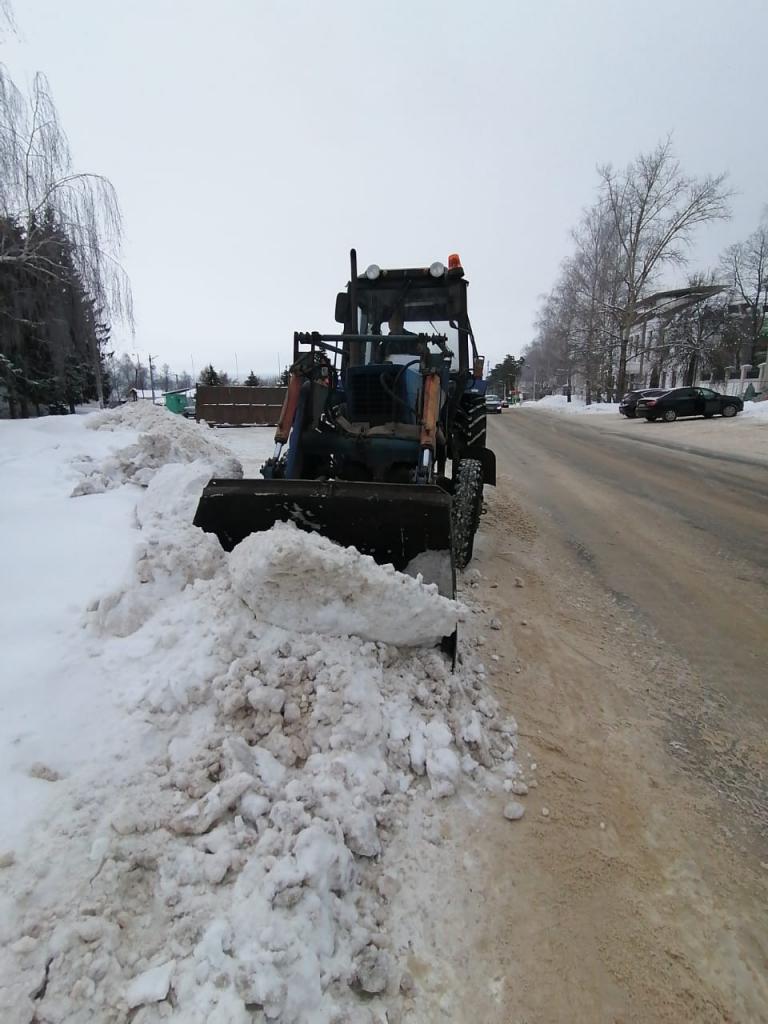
(621, 606)
(680, 539)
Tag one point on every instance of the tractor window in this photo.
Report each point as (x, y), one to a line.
(373, 329)
(437, 327)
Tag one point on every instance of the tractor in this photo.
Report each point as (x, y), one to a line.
(381, 441)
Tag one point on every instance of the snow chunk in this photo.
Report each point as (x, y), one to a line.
(514, 811)
(150, 987)
(203, 813)
(350, 594)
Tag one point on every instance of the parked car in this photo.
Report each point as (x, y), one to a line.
(689, 402)
(492, 403)
(504, 403)
(628, 404)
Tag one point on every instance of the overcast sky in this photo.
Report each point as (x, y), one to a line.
(252, 143)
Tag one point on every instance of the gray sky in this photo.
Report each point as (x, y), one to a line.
(252, 143)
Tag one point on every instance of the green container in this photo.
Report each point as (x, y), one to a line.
(176, 403)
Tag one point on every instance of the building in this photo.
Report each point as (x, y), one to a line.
(651, 361)
(145, 395)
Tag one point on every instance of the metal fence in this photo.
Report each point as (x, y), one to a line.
(238, 406)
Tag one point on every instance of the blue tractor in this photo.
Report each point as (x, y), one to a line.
(381, 442)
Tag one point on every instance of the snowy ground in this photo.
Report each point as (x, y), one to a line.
(222, 790)
(745, 435)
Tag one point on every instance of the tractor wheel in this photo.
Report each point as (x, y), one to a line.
(466, 509)
(470, 420)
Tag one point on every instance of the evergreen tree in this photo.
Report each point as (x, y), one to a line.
(210, 376)
(252, 381)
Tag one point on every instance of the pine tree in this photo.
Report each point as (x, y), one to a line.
(252, 381)
(210, 376)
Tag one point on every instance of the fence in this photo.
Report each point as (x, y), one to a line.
(238, 406)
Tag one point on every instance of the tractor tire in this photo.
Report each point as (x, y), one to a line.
(469, 423)
(466, 509)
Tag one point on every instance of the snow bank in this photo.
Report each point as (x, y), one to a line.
(227, 866)
(756, 410)
(576, 407)
(165, 438)
(305, 582)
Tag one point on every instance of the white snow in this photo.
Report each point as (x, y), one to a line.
(151, 986)
(348, 591)
(756, 410)
(229, 786)
(576, 407)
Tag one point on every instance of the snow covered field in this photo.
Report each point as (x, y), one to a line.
(219, 781)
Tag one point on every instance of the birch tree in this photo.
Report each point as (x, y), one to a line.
(42, 197)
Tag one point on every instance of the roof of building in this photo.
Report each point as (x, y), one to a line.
(672, 300)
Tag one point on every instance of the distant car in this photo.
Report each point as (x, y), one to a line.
(688, 402)
(504, 403)
(492, 404)
(628, 404)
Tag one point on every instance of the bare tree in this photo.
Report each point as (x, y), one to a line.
(40, 192)
(595, 287)
(745, 265)
(655, 209)
(693, 334)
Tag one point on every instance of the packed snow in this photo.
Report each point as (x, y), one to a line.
(756, 410)
(576, 407)
(348, 591)
(225, 843)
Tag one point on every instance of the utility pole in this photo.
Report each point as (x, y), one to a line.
(152, 379)
(237, 371)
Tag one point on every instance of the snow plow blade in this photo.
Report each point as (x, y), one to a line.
(406, 525)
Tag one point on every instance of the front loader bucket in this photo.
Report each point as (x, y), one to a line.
(406, 525)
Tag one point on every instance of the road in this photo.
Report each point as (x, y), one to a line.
(631, 584)
(680, 539)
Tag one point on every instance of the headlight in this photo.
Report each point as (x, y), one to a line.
(373, 272)
(437, 269)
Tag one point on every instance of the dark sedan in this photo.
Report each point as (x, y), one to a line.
(492, 404)
(688, 402)
(628, 404)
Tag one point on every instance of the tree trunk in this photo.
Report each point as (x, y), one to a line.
(621, 378)
(690, 373)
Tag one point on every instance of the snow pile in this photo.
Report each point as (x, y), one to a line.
(235, 863)
(165, 438)
(308, 583)
(170, 554)
(756, 410)
(576, 407)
